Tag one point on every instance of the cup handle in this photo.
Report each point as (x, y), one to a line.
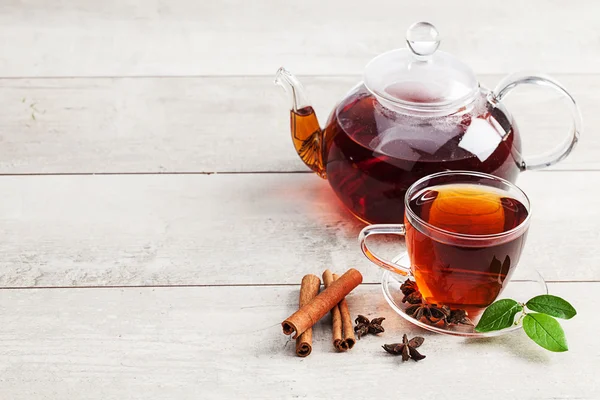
(382, 229)
(563, 149)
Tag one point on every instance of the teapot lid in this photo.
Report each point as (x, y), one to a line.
(420, 77)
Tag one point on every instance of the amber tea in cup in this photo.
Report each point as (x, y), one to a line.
(464, 232)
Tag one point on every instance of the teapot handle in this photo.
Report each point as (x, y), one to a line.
(507, 84)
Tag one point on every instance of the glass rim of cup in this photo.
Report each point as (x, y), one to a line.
(470, 237)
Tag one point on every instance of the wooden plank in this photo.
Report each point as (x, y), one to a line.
(237, 229)
(185, 37)
(224, 342)
(212, 124)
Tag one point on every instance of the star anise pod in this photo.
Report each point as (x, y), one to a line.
(364, 326)
(413, 298)
(459, 316)
(411, 293)
(408, 348)
(432, 312)
(408, 287)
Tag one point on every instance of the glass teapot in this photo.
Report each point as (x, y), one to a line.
(418, 111)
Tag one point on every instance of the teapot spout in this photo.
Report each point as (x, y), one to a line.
(307, 135)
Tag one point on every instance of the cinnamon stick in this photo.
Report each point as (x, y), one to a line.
(308, 290)
(348, 340)
(314, 310)
(336, 317)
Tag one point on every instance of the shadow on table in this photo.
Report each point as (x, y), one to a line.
(516, 343)
(312, 198)
(315, 198)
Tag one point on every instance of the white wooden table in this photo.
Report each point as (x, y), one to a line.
(155, 221)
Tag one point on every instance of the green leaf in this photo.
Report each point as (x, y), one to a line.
(552, 305)
(545, 331)
(499, 315)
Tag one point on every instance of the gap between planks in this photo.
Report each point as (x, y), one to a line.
(165, 173)
(223, 172)
(224, 285)
(237, 76)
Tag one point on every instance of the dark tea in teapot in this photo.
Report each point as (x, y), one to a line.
(373, 155)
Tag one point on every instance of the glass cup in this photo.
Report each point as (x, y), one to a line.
(464, 232)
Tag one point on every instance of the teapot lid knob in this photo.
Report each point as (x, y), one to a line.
(423, 39)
